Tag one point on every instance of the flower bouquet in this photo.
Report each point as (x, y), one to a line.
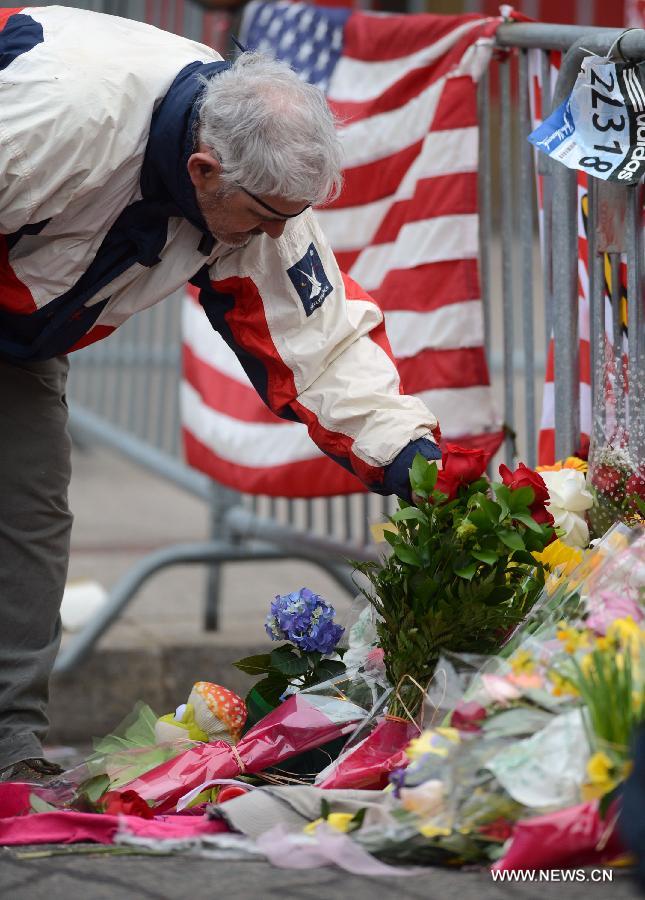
(460, 577)
(534, 739)
(306, 622)
(461, 573)
(305, 720)
(617, 449)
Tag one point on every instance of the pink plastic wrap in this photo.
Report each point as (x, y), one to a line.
(299, 724)
(69, 827)
(570, 838)
(368, 764)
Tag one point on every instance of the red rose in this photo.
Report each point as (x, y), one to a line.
(460, 466)
(129, 803)
(498, 830)
(467, 716)
(607, 479)
(525, 477)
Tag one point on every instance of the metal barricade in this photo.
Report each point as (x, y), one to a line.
(124, 392)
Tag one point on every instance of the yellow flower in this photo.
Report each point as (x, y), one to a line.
(431, 831)
(562, 686)
(626, 631)
(560, 555)
(596, 791)
(571, 462)
(587, 664)
(602, 776)
(432, 742)
(419, 746)
(522, 663)
(572, 638)
(599, 767)
(561, 560)
(337, 821)
(450, 734)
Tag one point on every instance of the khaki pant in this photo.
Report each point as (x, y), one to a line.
(35, 526)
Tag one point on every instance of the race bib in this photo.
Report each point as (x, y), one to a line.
(600, 128)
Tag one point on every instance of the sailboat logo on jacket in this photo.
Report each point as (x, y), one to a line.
(310, 281)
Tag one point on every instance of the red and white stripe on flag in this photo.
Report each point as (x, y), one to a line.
(405, 228)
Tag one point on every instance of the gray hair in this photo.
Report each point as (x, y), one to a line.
(272, 133)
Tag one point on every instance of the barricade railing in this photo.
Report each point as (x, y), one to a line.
(124, 391)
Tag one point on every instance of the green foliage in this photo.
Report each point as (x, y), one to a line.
(460, 577)
(284, 666)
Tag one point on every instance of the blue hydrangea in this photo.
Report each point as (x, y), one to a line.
(306, 620)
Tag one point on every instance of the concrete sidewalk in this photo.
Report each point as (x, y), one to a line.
(159, 647)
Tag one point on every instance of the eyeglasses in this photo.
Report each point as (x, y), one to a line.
(276, 212)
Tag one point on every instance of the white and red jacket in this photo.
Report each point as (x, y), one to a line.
(98, 219)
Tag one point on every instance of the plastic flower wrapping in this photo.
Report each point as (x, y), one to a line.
(514, 742)
(617, 449)
(515, 758)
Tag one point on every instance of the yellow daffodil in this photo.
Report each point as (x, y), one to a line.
(599, 767)
(522, 663)
(572, 638)
(602, 779)
(626, 631)
(337, 821)
(562, 687)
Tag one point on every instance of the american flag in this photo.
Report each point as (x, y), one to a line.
(405, 228)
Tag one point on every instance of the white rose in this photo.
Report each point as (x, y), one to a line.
(574, 529)
(567, 490)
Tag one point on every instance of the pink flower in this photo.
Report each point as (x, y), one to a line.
(375, 659)
(606, 606)
(499, 689)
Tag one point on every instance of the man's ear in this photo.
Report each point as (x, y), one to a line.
(204, 171)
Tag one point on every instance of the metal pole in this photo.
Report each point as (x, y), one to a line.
(215, 552)
(545, 170)
(617, 327)
(635, 325)
(595, 267)
(565, 332)
(526, 243)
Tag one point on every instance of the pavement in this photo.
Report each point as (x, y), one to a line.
(101, 876)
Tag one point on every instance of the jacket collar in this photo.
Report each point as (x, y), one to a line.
(164, 175)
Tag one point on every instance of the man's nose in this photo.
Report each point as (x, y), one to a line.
(273, 229)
